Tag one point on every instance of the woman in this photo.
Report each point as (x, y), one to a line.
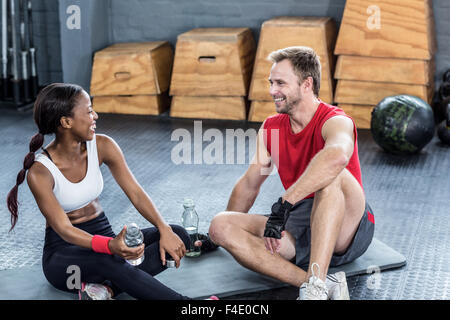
(66, 182)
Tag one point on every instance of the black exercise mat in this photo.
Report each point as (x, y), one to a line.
(214, 273)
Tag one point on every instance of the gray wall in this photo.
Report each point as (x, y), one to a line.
(79, 44)
(66, 55)
(136, 20)
(147, 20)
(441, 10)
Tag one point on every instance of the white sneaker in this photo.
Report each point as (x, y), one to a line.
(337, 286)
(94, 291)
(315, 289)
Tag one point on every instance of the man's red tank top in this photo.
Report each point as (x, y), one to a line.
(297, 150)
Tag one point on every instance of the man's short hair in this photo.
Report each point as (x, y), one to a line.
(305, 61)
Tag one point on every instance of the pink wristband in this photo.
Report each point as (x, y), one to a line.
(100, 244)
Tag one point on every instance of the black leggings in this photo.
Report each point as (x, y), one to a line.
(110, 270)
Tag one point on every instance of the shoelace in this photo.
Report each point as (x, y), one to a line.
(97, 290)
(316, 287)
(318, 270)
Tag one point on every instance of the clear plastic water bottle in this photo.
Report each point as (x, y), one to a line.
(134, 238)
(190, 223)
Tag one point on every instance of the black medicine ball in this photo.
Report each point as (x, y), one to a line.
(402, 124)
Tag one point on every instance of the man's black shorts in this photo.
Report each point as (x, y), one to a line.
(299, 226)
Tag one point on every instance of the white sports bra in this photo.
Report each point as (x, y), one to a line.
(72, 196)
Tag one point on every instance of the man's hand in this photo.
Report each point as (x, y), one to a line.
(275, 224)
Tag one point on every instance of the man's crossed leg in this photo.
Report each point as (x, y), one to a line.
(332, 221)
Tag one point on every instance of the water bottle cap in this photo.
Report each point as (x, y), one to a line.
(188, 203)
(170, 263)
(133, 230)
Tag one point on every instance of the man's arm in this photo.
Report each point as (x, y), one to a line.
(328, 163)
(247, 187)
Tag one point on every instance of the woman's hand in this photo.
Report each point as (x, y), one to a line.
(117, 246)
(170, 243)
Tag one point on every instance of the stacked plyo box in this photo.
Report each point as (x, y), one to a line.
(132, 78)
(385, 48)
(211, 73)
(319, 33)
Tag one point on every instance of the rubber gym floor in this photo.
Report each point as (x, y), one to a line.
(409, 196)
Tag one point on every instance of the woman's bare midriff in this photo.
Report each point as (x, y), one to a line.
(89, 212)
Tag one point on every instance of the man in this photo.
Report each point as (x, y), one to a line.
(322, 219)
